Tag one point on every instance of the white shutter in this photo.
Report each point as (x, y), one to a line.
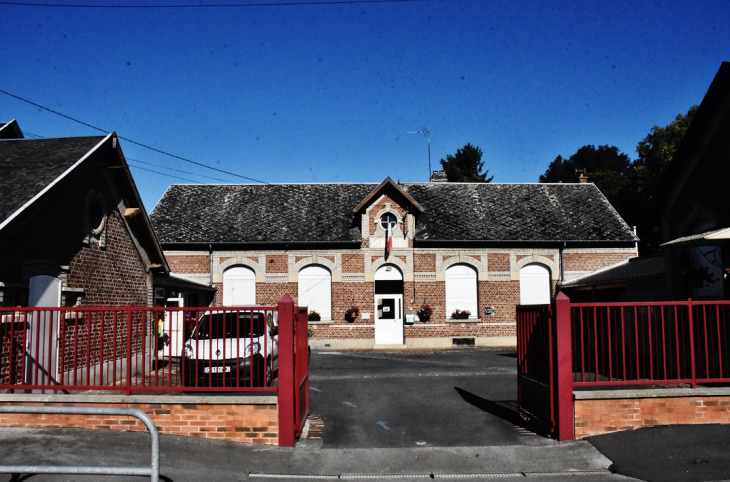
(534, 285)
(239, 287)
(315, 290)
(461, 290)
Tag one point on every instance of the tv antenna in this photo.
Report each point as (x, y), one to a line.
(428, 133)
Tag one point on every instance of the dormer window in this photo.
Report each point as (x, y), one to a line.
(388, 219)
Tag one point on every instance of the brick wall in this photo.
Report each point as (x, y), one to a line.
(277, 263)
(189, 264)
(605, 415)
(591, 261)
(353, 263)
(230, 420)
(271, 293)
(499, 262)
(112, 276)
(424, 263)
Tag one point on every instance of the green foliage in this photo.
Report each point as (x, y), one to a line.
(628, 186)
(465, 166)
(605, 165)
(657, 148)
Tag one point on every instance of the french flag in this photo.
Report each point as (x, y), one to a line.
(389, 242)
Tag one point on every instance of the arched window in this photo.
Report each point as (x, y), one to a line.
(534, 285)
(239, 286)
(461, 290)
(315, 290)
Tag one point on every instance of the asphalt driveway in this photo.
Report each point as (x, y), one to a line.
(449, 398)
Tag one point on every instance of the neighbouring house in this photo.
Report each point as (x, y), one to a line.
(635, 279)
(73, 229)
(73, 232)
(367, 257)
(695, 219)
(695, 207)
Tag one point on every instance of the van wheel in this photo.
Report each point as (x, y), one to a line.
(269, 373)
(264, 375)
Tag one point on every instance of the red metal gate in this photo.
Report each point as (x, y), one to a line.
(544, 373)
(587, 345)
(293, 371)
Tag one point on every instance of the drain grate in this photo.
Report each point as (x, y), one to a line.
(293, 476)
(505, 475)
(564, 473)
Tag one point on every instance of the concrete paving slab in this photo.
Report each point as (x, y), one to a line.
(187, 459)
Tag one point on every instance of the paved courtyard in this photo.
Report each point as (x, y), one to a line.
(449, 398)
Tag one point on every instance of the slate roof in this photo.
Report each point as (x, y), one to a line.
(323, 213)
(27, 166)
(632, 270)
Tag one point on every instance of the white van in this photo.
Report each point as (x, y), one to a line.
(236, 348)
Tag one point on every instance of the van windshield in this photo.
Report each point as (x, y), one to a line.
(243, 324)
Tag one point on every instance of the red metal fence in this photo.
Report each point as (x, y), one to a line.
(651, 343)
(572, 345)
(138, 349)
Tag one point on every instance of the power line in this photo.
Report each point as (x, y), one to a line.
(213, 5)
(131, 141)
(165, 174)
(176, 170)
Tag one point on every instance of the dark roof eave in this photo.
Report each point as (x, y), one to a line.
(627, 242)
(616, 283)
(266, 244)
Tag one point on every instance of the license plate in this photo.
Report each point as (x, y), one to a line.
(216, 369)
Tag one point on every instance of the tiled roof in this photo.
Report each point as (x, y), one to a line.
(27, 166)
(516, 212)
(635, 269)
(323, 213)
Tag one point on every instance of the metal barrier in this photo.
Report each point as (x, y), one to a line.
(153, 471)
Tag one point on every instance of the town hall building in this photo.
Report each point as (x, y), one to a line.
(367, 258)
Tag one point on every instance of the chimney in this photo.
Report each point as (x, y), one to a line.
(439, 176)
(583, 178)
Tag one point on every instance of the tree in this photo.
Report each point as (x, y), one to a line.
(605, 166)
(465, 166)
(657, 149)
(628, 186)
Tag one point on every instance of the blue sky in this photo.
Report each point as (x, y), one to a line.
(327, 93)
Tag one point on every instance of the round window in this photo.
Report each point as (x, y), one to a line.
(96, 213)
(388, 219)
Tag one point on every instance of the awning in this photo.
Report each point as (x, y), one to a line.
(709, 238)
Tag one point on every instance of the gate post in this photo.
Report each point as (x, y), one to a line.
(286, 388)
(563, 370)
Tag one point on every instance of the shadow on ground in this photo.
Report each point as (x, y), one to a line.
(505, 409)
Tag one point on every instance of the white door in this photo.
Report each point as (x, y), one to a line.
(239, 287)
(42, 353)
(534, 285)
(389, 319)
(173, 328)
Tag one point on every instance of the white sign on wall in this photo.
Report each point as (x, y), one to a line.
(380, 243)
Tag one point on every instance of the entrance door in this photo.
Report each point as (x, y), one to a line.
(389, 319)
(42, 353)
